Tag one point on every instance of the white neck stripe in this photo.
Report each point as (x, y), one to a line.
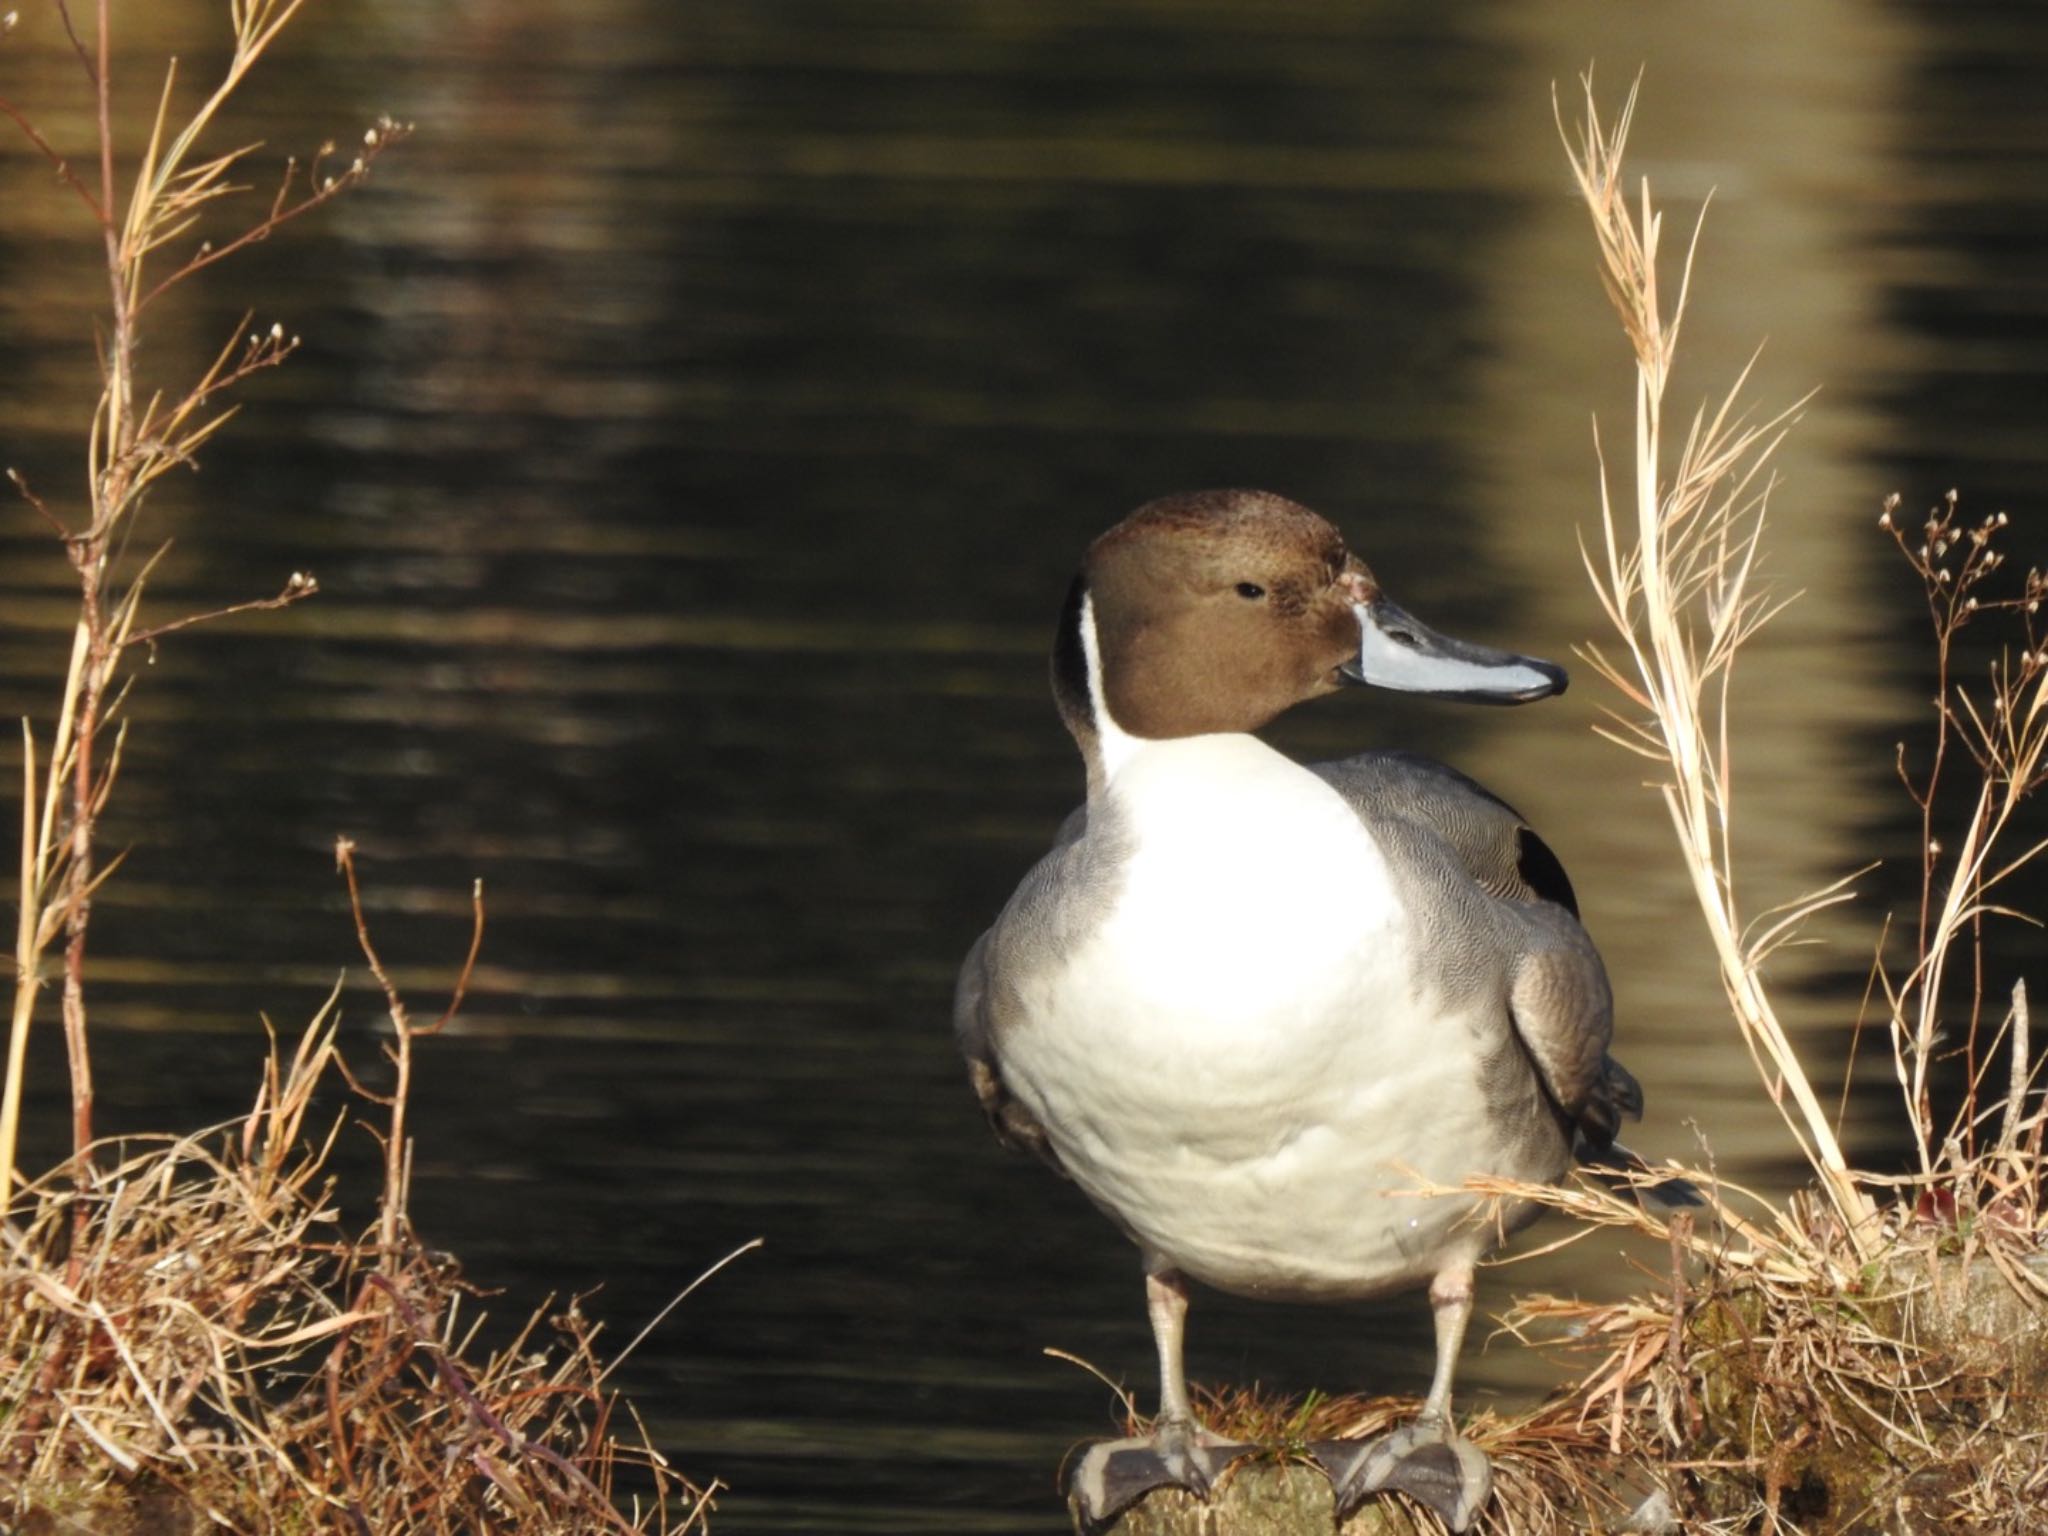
(1116, 745)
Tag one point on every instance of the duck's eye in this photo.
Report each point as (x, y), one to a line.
(1251, 591)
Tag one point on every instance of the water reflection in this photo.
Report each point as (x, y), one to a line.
(697, 426)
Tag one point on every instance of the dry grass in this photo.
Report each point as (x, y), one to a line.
(195, 1336)
(1873, 1356)
(1777, 1380)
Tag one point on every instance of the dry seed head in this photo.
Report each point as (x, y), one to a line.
(10, 21)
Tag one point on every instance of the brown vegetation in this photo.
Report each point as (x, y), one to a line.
(1871, 1358)
(190, 1340)
(190, 1336)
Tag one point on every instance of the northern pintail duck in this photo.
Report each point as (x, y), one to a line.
(1252, 1006)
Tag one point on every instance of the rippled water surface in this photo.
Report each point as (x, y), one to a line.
(696, 427)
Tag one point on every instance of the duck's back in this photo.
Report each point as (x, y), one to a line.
(1485, 836)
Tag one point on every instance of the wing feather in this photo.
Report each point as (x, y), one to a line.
(1558, 996)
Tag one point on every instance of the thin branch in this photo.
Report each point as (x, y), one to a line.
(476, 944)
(297, 588)
(375, 142)
(677, 1300)
(21, 485)
(64, 171)
(344, 860)
(92, 77)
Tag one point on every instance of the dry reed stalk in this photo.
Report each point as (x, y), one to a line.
(1679, 595)
(137, 435)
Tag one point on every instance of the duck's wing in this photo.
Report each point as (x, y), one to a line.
(983, 996)
(1557, 990)
(975, 1029)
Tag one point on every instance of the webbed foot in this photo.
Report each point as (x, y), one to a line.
(1428, 1460)
(1112, 1475)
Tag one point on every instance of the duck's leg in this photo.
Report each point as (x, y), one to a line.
(1428, 1459)
(1187, 1447)
(1180, 1452)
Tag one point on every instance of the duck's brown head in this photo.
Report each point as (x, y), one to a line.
(1217, 610)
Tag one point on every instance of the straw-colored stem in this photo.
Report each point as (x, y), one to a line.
(1678, 596)
(27, 980)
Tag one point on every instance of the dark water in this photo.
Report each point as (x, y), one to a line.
(696, 427)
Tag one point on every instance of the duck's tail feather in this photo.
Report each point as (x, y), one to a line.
(1620, 1169)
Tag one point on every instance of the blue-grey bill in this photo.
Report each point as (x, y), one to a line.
(1396, 651)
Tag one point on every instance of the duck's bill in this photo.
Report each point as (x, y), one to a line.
(1397, 651)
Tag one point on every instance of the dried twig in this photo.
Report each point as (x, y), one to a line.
(404, 1032)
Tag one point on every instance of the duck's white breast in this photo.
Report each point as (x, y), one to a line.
(1240, 1062)
(1242, 868)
